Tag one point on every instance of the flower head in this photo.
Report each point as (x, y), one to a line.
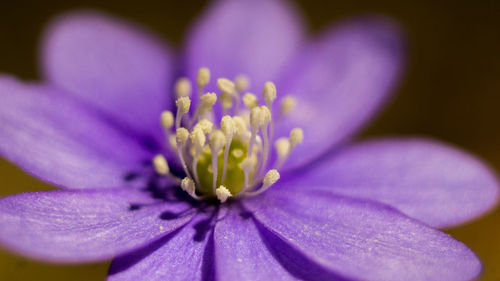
(199, 176)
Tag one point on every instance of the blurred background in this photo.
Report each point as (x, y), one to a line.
(451, 90)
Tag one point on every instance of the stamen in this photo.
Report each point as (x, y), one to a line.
(183, 87)
(227, 127)
(217, 141)
(266, 119)
(198, 140)
(182, 136)
(242, 83)
(296, 137)
(228, 90)
(270, 178)
(240, 127)
(282, 146)
(287, 105)
(250, 100)
(203, 79)
(247, 166)
(223, 193)
(161, 167)
(167, 121)
(188, 186)
(205, 125)
(255, 121)
(206, 102)
(269, 94)
(183, 105)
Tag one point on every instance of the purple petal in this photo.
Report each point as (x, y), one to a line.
(240, 253)
(117, 67)
(250, 37)
(340, 82)
(430, 181)
(359, 239)
(82, 226)
(61, 142)
(184, 255)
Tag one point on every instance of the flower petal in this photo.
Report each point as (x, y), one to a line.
(117, 67)
(340, 82)
(240, 253)
(62, 142)
(427, 180)
(185, 255)
(250, 37)
(82, 226)
(359, 239)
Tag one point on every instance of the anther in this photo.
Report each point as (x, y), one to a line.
(183, 105)
(296, 137)
(271, 177)
(282, 146)
(160, 164)
(247, 165)
(242, 83)
(287, 105)
(226, 85)
(222, 193)
(250, 100)
(167, 119)
(188, 186)
(182, 87)
(269, 93)
(203, 77)
(205, 125)
(206, 102)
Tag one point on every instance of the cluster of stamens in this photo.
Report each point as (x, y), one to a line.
(229, 160)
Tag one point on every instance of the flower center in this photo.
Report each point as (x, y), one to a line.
(230, 160)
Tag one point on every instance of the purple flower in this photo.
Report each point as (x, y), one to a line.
(358, 211)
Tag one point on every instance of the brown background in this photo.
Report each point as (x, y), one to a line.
(451, 90)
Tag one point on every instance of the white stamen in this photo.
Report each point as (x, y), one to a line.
(188, 186)
(242, 83)
(217, 141)
(160, 164)
(226, 85)
(240, 126)
(206, 102)
(205, 125)
(182, 136)
(266, 119)
(282, 146)
(270, 178)
(222, 193)
(172, 140)
(227, 127)
(247, 165)
(226, 100)
(167, 119)
(256, 120)
(287, 105)
(203, 78)
(269, 93)
(183, 87)
(250, 100)
(198, 140)
(296, 137)
(183, 105)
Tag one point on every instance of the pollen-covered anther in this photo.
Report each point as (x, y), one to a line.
(183, 104)
(287, 105)
(222, 193)
(241, 83)
(188, 185)
(203, 77)
(160, 164)
(167, 119)
(205, 125)
(226, 85)
(296, 137)
(182, 135)
(269, 93)
(271, 177)
(182, 87)
(250, 100)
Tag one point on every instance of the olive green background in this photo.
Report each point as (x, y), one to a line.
(451, 89)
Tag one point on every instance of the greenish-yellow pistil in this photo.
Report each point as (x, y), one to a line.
(229, 160)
